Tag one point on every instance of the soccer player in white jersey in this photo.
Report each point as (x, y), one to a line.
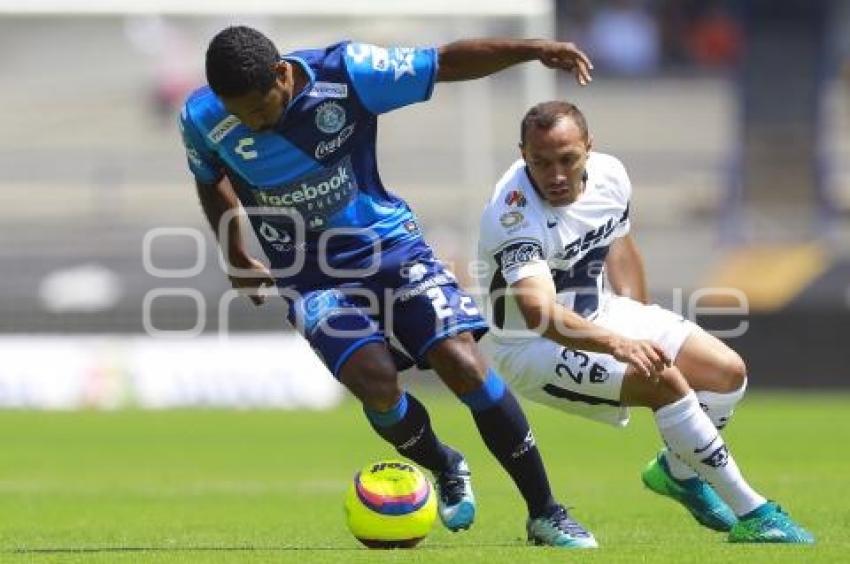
(555, 228)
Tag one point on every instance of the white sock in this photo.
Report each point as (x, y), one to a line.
(720, 407)
(680, 470)
(689, 433)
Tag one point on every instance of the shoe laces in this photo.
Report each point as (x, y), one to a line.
(562, 521)
(451, 487)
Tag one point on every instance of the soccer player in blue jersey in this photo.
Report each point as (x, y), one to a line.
(291, 139)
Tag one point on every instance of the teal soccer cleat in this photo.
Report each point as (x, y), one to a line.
(559, 529)
(456, 502)
(694, 493)
(768, 523)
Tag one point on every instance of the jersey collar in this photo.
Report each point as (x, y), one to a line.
(311, 78)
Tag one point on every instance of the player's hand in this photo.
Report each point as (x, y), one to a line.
(645, 356)
(567, 57)
(250, 276)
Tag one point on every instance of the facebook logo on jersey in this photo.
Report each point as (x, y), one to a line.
(317, 196)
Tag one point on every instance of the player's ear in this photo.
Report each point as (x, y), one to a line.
(589, 141)
(281, 70)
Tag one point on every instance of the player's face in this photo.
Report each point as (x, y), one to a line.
(258, 111)
(556, 158)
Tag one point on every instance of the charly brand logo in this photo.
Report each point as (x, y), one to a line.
(330, 117)
(328, 90)
(325, 148)
(316, 197)
(243, 150)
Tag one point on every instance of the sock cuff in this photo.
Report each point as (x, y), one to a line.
(723, 400)
(488, 395)
(678, 411)
(390, 417)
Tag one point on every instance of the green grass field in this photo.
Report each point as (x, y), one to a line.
(215, 486)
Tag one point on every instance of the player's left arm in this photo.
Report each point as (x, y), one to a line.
(626, 273)
(475, 58)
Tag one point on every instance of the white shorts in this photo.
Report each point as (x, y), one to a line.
(587, 383)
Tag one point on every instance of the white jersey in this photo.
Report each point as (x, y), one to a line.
(522, 236)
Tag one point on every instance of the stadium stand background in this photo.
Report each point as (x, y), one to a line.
(734, 129)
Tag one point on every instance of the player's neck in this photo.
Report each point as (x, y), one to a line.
(299, 79)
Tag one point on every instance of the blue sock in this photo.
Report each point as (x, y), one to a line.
(407, 427)
(506, 433)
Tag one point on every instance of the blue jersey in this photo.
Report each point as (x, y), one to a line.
(318, 163)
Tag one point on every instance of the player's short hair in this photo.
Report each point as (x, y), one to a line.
(240, 60)
(546, 114)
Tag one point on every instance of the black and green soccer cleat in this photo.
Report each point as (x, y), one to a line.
(695, 494)
(558, 528)
(768, 523)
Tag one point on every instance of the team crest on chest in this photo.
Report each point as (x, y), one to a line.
(330, 117)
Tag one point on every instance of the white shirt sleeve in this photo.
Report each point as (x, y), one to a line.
(515, 244)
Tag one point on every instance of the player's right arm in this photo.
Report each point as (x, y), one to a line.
(535, 297)
(224, 214)
(223, 211)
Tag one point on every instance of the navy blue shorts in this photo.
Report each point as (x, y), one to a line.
(411, 303)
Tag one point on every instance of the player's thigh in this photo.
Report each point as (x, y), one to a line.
(708, 364)
(636, 320)
(337, 326)
(370, 374)
(436, 322)
(582, 383)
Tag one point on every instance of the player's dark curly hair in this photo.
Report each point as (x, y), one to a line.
(545, 114)
(240, 60)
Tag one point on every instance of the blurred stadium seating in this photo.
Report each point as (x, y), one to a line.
(91, 162)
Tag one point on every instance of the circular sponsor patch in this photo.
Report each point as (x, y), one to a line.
(330, 117)
(511, 218)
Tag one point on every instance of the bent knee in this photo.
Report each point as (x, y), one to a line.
(639, 390)
(733, 373)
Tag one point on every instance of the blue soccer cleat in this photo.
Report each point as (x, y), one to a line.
(768, 523)
(559, 529)
(695, 494)
(456, 502)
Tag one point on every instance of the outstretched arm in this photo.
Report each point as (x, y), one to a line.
(624, 266)
(475, 58)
